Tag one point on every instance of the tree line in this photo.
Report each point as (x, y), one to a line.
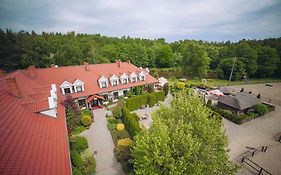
(251, 58)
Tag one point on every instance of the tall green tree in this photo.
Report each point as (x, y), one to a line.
(268, 60)
(183, 139)
(225, 66)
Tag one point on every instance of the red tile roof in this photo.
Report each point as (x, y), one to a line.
(47, 76)
(30, 143)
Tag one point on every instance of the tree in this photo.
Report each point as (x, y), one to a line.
(225, 66)
(195, 59)
(166, 88)
(268, 61)
(164, 56)
(183, 139)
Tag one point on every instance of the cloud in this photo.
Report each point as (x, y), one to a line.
(173, 20)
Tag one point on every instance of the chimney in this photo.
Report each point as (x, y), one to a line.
(2, 73)
(13, 87)
(31, 71)
(86, 66)
(118, 63)
(128, 61)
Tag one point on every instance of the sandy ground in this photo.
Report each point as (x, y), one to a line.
(258, 132)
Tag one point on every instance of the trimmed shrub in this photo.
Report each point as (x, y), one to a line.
(136, 102)
(131, 122)
(89, 165)
(76, 159)
(209, 102)
(111, 119)
(125, 142)
(135, 116)
(166, 88)
(76, 171)
(120, 127)
(117, 112)
(122, 153)
(260, 109)
(151, 100)
(79, 143)
(180, 85)
(111, 126)
(86, 120)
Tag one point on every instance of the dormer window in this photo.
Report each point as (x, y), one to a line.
(114, 80)
(67, 90)
(114, 83)
(125, 81)
(134, 79)
(79, 89)
(142, 76)
(78, 86)
(104, 84)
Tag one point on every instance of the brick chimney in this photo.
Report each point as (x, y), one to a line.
(2, 73)
(31, 71)
(13, 87)
(118, 63)
(87, 68)
(128, 61)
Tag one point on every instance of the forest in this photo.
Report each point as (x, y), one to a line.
(251, 58)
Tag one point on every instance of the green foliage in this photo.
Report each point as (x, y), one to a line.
(76, 159)
(76, 171)
(225, 66)
(209, 102)
(150, 88)
(166, 88)
(78, 143)
(260, 109)
(116, 135)
(86, 120)
(122, 153)
(159, 96)
(131, 122)
(151, 100)
(136, 102)
(180, 138)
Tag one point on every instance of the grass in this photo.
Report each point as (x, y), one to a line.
(218, 82)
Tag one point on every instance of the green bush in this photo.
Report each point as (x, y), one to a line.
(151, 100)
(209, 102)
(111, 119)
(76, 171)
(136, 102)
(260, 109)
(166, 88)
(122, 153)
(86, 120)
(78, 143)
(131, 121)
(111, 126)
(76, 159)
(160, 96)
(89, 165)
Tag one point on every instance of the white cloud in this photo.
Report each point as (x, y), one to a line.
(200, 19)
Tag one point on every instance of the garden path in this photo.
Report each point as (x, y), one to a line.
(100, 141)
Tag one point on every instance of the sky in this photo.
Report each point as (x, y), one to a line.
(208, 20)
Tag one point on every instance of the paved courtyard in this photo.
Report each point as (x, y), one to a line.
(258, 132)
(100, 141)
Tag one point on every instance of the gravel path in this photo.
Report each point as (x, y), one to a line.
(100, 141)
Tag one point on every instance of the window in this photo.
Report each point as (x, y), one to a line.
(115, 95)
(105, 97)
(103, 84)
(67, 90)
(114, 82)
(79, 88)
(141, 78)
(134, 79)
(125, 93)
(125, 81)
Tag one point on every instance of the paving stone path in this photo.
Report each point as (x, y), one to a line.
(100, 141)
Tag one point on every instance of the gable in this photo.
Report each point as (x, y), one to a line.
(142, 73)
(78, 82)
(65, 84)
(103, 78)
(114, 77)
(124, 75)
(133, 75)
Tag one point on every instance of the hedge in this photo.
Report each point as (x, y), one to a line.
(76, 159)
(86, 120)
(79, 144)
(260, 109)
(76, 171)
(138, 101)
(131, 121)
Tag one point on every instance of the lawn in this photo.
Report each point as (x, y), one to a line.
(218, 82)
